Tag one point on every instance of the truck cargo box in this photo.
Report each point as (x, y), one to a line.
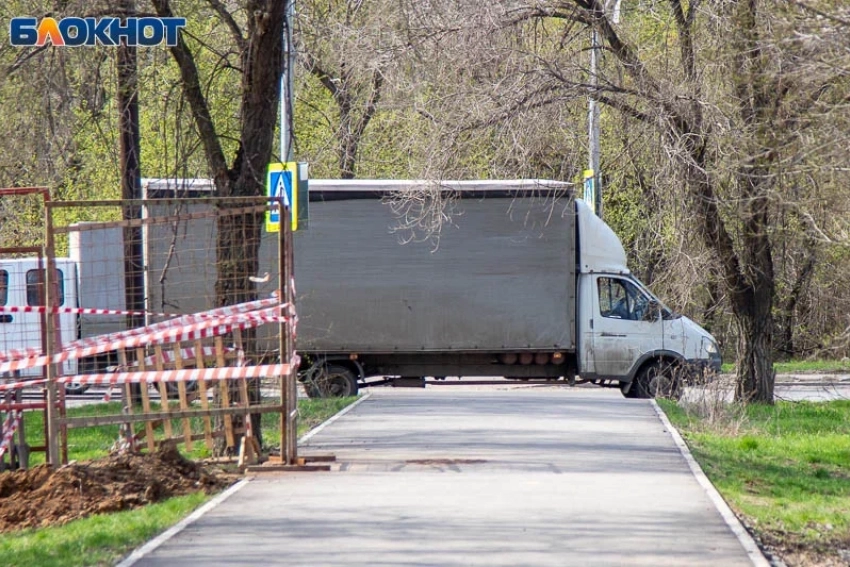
(500, 275)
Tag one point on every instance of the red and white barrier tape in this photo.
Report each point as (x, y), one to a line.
(151, 377)
(17, 354)
(97, 345)
(266, 312)
(181, 321)
(229, 310)
(76, 311)
(13, 421)
(169, 357)
(192, 332)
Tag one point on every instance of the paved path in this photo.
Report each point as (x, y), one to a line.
(440, 477)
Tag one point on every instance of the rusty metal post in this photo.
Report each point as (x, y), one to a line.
(292, 406)
(51, 288)
(288, 392)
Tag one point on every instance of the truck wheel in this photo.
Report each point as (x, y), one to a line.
(75, 388)
(632, 392)
(656, 380)
(333, 381)
(173, 389)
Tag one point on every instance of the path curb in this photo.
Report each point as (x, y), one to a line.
(153, 544)
(747, 541)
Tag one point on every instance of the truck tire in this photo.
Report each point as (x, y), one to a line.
(75, 388)
(173, 389)
(656, 380)
(332, 381)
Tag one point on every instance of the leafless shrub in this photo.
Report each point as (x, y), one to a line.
(422, 213)
(712, 402)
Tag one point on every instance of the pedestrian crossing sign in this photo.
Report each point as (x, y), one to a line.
(282, 188)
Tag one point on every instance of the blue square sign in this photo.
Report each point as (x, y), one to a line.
(281, 182)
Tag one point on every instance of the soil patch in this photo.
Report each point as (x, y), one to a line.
(793, 551)
(41, 496)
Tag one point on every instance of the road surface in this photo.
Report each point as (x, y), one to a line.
(444, 477)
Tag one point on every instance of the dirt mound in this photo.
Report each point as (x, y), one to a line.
(41, 496)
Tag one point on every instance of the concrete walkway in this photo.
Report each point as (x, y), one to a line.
(441, 477)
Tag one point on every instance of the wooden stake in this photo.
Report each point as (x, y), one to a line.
(184, 402)
(224, 387)
(163, 391)
(129, 431)
(202, 389)
(146, 402)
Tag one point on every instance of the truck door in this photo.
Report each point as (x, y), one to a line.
(623, 326)
(28, 325)
(69, 298)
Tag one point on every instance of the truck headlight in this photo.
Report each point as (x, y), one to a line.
(709, 346)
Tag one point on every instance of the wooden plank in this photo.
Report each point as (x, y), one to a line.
(248, 451)
(129, 432)
(91, 421)
(249, 440)
(181, 393)
(202, 390)
(224, 389)
(146, 402)
(287, 468)
(318, 458)
(163, 391)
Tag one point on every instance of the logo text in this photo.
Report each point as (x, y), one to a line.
(143, 32)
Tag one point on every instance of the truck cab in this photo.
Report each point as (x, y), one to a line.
(22, 286)
(625, 334)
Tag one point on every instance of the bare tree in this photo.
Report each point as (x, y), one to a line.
(349, 47)
(734, 91)
(258, 41)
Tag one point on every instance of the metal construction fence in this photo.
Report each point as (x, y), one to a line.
(183, 306)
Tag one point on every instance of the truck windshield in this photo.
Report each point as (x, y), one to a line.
(666, 312)
(621, 298)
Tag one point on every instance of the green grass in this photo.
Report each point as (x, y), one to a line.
(103, 539)
(785, 468)
(94, 442)
(97, 540)
(311, 412)
(801, 366)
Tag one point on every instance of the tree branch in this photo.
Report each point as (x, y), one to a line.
(821, 13)
(198, 103)
(687, 46)
(371, 105)
(227, 17)
(323, 76)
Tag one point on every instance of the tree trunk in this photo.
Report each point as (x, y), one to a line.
(237, 257)
(348, 141)
(755, 357)
(238, 237)
(131, 181)
(751, 292)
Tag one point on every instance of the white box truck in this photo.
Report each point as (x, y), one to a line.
(524, 282)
